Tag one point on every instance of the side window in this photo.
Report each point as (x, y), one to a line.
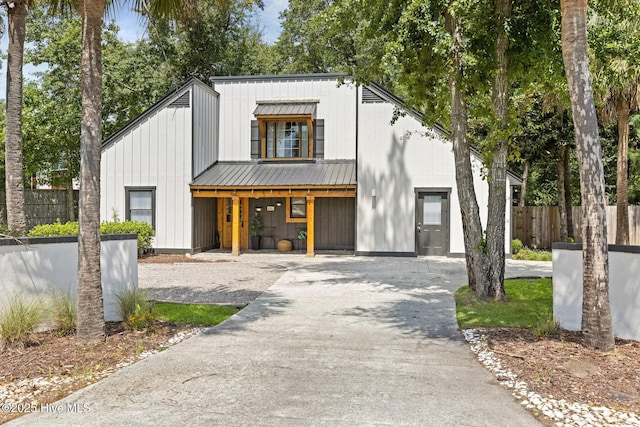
(141, 204)
(296, 209)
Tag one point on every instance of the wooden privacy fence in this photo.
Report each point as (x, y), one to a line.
(42, 206)
(539, 226)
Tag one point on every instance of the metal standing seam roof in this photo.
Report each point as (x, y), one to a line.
(285, 109)
(255, 174)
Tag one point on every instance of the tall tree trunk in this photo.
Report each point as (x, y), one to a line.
(566, 157)
(498, 165)
(523, 187)
(477, 263)
(596, 312)
(622, 177)
(90, 309)
(16, 216)
(562, 201)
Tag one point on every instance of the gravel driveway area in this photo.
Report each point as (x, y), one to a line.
(219, 281)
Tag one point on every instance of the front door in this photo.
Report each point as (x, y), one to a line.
(432, 222)
(226, 222)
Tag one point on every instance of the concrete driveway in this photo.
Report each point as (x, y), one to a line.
(335, 341)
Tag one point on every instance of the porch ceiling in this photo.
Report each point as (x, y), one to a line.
(268, 175)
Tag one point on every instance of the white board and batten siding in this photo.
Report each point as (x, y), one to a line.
(394, 160)
(163, 148)
(238, 99)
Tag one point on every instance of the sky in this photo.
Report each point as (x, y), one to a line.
(132, 29)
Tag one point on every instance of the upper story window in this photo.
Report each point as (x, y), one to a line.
(286, 130)
(287, 140)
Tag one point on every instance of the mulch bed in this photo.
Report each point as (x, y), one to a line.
(560, 367)
(75, 364)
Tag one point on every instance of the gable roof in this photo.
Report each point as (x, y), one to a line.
(176, 97)
(399, 103)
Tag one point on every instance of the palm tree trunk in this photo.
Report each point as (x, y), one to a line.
(622, 177)
(90, 305)
(16, 217)
(498, 166)
(596, 313)
(477, 263)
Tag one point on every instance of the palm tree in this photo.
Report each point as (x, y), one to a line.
(90, 309)
(16, 17)
(617, 76)
(596, 313)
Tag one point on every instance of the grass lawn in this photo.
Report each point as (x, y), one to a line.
(530, 304)
(193, 314)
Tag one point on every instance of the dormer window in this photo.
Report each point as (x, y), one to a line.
(286, 129)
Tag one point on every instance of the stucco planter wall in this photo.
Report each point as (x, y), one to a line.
(624, 288)
(35, 266)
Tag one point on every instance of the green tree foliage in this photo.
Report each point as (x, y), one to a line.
(614, 34)
(308, 44)
(52, 133)
(451, 60)
(219, 40)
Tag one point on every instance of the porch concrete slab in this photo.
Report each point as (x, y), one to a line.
(335, 341)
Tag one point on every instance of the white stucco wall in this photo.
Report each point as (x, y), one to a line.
(158, 152)
(35, 270)
(336, 106)
(395, 160)
(624, 289)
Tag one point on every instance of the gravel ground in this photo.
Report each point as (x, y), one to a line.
(220, 281)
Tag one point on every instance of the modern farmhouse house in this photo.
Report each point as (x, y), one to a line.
(301, 151)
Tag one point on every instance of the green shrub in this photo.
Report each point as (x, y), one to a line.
(135, 309)
(516, 246)
(142, 229)
(63, 312)
(55, 229)
(19, 320)
(532, 255)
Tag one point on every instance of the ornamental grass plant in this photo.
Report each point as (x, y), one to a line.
(19, 319)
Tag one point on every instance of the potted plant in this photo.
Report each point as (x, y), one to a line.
(302, 239)
(255, 228)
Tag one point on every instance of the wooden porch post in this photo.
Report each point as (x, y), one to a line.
(235, 226)
(310, 228)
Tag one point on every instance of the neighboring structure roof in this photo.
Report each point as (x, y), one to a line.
(340, 173)
(285, 109)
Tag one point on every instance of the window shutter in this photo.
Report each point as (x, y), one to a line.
(256, 142)
(318, 143)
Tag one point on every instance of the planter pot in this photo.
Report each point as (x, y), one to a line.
(284, 245)
(255, 242)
